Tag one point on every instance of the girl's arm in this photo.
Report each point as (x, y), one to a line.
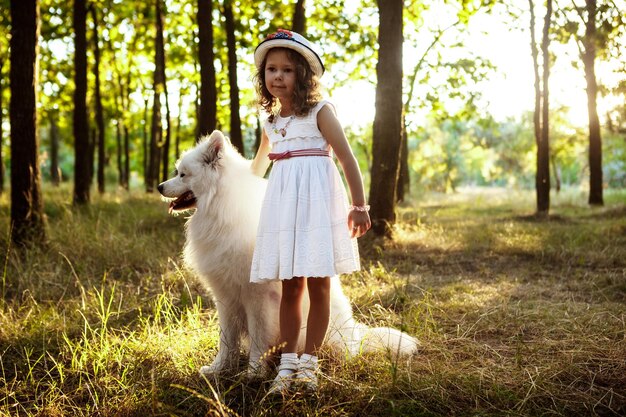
(261, 162)
(358, 221)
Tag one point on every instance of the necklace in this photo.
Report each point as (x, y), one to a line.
(282, 130)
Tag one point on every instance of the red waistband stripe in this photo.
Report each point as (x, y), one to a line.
(297, 153)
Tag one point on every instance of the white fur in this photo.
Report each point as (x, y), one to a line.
(220, 241)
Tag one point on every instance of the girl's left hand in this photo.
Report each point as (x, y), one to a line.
(359, 223)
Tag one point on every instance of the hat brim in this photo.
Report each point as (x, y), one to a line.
(315, 62)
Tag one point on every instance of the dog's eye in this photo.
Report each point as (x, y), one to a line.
(182, 174)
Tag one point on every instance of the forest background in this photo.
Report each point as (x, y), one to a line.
(467, 120)
(495, 159)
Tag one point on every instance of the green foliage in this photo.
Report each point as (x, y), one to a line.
(614, 160)
(460, 151)
(452, 142)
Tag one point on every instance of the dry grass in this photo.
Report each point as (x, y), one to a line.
(516, 316)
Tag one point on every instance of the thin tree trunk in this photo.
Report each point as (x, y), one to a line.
(208, 91)
(556, 173)
(2, 173)
(535, 56)
(299, 18)
(146, 155)
(387, 135)
(121, 110)
(595, 139)
(91, 150)
(165, 146)
(156, 135)
(118, 152)
(178, 122)
(55, 173)
(196, 101)
(236, 137)
(126, 181)
(27, 217)
(125, 99)
(82, 176)
(98, 99)
(402, 186)
(543, 148)
(118, 104)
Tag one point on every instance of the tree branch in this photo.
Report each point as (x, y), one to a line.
(418, 66)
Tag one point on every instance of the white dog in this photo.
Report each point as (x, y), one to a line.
(217, 182)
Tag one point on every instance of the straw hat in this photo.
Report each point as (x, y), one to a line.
(292, 40)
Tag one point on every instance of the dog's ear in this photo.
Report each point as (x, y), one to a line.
(214, 147)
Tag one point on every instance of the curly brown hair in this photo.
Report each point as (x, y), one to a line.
(307, 88)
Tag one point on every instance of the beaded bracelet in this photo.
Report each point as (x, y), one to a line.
(363, 208)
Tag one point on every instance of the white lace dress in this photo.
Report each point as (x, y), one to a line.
(303, 228)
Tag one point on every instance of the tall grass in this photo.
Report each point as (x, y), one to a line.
(515, 315)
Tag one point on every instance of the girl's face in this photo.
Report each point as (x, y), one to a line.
(280, 74)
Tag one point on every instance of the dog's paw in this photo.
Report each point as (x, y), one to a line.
(257, 371)
(209, 371)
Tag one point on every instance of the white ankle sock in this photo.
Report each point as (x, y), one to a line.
(309, 360)
(288, 359)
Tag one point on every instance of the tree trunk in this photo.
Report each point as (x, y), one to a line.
(404, 181)
(542, 180)
(196, 101)
(91, 150)
(535, 56)
(125, 99)
(98, 99)
(118, 103)
(55, 173)
(156, 134)
(126, 180)
(165, 146)
(2, 173)
(119, 152)
(82, 176)
(236, 137)
(556, 173)
(299, 18)
(387, 135)
(146, 154)
(595, 139)
(27, 217)
(208, 91)
(178, 122)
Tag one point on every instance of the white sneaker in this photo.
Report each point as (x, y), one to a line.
(306, 377)
(286, 374)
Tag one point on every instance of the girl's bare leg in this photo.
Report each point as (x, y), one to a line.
(291, 312)
(317, 325)
(290, 323)
(319, 314)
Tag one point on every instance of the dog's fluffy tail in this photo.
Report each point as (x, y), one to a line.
(388, 339)
(346, 334)
(357, 338)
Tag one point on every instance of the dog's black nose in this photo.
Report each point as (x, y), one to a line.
(160, 188)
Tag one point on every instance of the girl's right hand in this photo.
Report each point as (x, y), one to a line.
(359, 223)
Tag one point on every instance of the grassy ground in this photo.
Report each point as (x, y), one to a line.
(516, 316)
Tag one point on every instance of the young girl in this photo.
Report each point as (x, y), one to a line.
(307, 233)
